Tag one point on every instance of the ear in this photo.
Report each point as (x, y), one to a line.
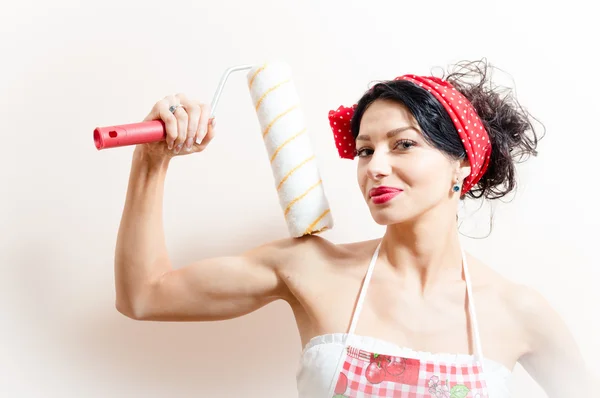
(463, 169)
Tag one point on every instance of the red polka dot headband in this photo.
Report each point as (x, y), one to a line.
(470, 128)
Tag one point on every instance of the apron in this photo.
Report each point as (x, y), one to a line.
(362, 373)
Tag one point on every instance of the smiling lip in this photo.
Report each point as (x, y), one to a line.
(383, 194)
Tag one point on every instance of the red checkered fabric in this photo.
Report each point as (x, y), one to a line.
(366, 374)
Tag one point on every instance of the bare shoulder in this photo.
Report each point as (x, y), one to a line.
(305, 264)
(530, 310)
(290, 254)
(529, 307)
(521, 299)
(526, 302)
(545, 346)
(542, 324)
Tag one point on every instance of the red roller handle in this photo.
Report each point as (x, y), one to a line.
(129, 134)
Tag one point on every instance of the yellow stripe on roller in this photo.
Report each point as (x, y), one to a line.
(314, 223)
(292, 171)
(275, 87)
(282, 114)
(256, 74)
(289, 206)
(285, 143)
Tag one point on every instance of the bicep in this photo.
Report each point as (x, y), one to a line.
(214, 289)
(554, 359)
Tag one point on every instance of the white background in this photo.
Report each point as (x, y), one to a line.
(70, 66)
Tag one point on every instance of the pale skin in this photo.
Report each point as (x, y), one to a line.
(417, 294)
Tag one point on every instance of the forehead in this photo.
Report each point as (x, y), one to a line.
(384, 115)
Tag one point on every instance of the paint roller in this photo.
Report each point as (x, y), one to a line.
(293, 163)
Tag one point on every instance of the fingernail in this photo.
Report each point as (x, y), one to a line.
(202, 131)
(178, 148)
(188, 143)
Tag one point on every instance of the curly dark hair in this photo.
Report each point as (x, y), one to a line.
(509, 125)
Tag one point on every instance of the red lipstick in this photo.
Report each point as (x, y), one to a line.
(381, 195)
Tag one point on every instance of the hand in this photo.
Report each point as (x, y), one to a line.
(188, 128)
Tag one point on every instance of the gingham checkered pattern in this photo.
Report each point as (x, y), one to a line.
(422, 379)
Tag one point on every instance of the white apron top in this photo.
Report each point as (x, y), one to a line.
(350, 365)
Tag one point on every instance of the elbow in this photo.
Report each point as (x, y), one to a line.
(132, 309)
(134, 302)
(125, 309)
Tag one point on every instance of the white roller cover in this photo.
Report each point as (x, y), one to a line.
(297, 178)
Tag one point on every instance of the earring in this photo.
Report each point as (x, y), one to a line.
(456, 188)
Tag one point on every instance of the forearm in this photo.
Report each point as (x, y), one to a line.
(141, 254)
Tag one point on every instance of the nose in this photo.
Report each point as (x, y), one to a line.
(378, 166)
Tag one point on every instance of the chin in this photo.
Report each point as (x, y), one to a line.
(391, 215)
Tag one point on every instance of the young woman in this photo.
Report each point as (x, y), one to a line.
(408, 315)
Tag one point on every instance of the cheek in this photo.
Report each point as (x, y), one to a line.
(361, 178)
(427, 173)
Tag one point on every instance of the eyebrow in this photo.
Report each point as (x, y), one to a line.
(389, 134)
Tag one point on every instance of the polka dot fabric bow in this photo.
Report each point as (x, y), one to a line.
(339, 120)
(468, 125)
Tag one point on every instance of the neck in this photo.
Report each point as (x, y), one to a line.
(424, 252)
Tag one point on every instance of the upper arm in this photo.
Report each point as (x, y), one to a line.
(218, 288)
(553, 359)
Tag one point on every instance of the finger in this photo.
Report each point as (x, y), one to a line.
(163, 113)
(182, 124)
(193, 110)
(203, 123)
(210, 133)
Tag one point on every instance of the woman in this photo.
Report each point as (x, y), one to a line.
(408, 315)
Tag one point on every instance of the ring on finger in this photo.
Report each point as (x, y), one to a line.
(173, 108)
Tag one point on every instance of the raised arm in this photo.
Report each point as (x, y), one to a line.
(147, 286)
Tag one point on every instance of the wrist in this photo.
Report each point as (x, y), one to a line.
(150, 159)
